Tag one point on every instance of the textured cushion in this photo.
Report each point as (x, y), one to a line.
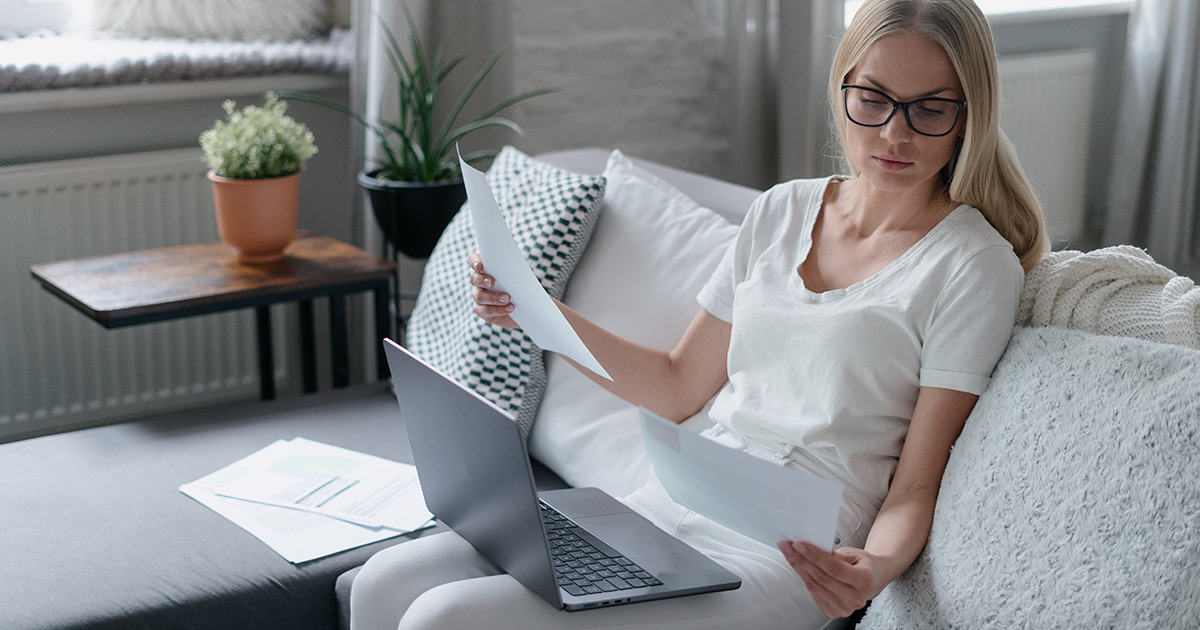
(551, 213)
(83, 60)
(652, 251)
(1070, 500)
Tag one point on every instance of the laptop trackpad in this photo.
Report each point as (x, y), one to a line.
(630, 534)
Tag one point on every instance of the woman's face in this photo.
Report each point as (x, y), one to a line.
(894, 157)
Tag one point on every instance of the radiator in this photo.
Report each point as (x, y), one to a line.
(58, 369)
(1046, 110)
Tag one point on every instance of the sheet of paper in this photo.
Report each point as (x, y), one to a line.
(761, 499)
(299, 535)
(533, 309)
(310, 476)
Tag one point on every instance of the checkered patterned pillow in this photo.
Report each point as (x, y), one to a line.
(551, 213)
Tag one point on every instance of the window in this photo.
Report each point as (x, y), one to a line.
(24, 16)
(1029, 7)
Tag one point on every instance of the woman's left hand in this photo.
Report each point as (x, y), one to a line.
(840, 582)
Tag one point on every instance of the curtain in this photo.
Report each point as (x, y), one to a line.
(1152, 201)
(779, 57)
(752, 32)
(809, 34)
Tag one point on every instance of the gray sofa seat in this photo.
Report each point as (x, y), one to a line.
(97, 534)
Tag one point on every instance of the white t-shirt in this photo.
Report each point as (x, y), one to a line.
(828, 381)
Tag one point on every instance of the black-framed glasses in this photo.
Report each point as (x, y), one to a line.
(931, 116)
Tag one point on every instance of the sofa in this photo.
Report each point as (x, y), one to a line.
(1070, 500)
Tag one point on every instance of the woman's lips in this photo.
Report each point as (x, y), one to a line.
(890, 163)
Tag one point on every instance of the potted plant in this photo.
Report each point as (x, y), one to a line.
(417, 187)
(255, 156)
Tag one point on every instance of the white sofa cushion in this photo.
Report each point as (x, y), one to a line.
(652, 250)
(1070, 500)
(551, 213)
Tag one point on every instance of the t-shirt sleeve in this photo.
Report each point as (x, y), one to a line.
(716, 296)
(972, 322)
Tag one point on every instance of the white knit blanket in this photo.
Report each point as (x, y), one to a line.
(1072, 498)
(1112, 291)
(80, 60)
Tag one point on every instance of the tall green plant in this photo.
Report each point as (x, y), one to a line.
(415, 146)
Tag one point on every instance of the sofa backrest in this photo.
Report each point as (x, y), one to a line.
(728, 200)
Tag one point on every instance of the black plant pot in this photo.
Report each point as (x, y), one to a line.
(413, 215)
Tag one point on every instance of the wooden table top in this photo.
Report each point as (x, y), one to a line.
(170, 282)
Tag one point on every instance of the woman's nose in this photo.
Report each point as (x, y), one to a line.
(897, 130)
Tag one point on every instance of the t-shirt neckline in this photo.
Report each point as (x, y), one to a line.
(834, 294)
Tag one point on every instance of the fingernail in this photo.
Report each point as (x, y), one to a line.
(504, 299)
(509, 308)
(487, 282)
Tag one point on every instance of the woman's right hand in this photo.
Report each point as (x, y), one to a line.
(491, 306)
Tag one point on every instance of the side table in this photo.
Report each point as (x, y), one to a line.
(168, 283)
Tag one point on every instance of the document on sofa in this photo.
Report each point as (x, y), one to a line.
(533, 309)
(763, 500)
(307, 500)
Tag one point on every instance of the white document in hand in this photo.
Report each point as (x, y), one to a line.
(533, 309)
(763, 500)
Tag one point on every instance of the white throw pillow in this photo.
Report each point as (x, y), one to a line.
(652, 250)
(551, 213)
(246, 20)
(1071, 499)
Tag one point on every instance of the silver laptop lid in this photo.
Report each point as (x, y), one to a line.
(474, 470)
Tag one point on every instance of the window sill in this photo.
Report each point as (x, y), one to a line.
(78, 98)
(1037, 11)
(1062, 13)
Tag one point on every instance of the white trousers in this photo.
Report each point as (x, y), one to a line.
(441, 582)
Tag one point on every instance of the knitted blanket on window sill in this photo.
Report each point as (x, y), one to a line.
(51, 61)
(1117, 291)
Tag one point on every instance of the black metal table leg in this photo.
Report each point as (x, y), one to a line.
(397, 306)
(382, 328)
(308, 347)
(340, 338)
(266, 354)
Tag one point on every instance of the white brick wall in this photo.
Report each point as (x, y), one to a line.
(648, 77)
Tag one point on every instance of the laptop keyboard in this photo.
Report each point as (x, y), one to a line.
(581, 567)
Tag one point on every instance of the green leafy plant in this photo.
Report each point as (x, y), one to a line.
(257, 142)
(416, 148)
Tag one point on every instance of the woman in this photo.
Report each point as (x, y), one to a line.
(849, 331)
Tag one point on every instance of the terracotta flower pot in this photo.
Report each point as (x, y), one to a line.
(256, 217)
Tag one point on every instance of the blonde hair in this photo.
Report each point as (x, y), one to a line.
(984, 171)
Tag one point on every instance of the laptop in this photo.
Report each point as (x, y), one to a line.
(476, 477)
